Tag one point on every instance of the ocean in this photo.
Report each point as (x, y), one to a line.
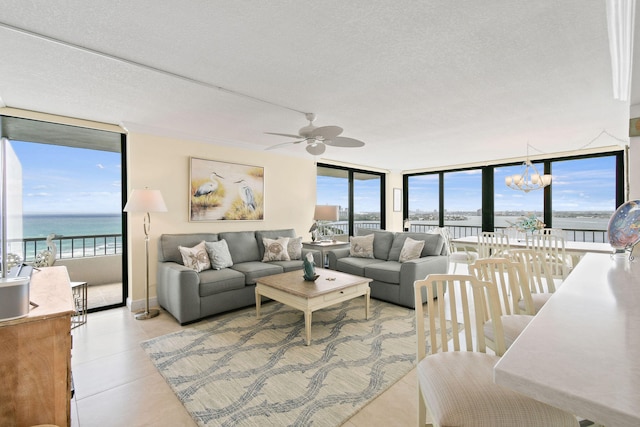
(72, 225)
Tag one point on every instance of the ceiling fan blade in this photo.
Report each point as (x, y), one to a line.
(284, 143)
(343, 141)
(316, 149)
(283, 134)
(326, 132)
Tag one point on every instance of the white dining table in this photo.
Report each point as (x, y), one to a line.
(581, 352)
(574, 249)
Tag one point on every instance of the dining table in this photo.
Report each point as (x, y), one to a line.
(576, 250)
(581, 352)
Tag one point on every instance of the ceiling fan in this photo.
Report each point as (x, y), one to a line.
(317, 138)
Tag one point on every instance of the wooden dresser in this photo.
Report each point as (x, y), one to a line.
(35, 355)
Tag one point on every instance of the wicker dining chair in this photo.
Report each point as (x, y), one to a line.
(455, 378)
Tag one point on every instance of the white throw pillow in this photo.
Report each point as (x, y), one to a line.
(295, 248)
(362, 246)
(195, 258)
(411, 249)
(276, 250)
(219, 254)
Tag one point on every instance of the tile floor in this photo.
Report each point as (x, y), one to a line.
(117, 385)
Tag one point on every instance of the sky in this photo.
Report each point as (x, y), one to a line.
(578, 185)
(58, 179)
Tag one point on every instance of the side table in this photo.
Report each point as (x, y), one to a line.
(79, 291)
(324, 246)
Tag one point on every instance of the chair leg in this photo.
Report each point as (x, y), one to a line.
(422, 409)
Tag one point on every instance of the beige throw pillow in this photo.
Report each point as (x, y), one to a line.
(411, 249)
(195, 258)
(295, 248)
(276, 250)
(219, 254)
(362, 246)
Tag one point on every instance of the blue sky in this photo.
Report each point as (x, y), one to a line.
(578, 185)
(57, 179)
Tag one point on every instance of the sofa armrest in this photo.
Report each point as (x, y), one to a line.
(418, 269)
(178, 291)
(335, 254)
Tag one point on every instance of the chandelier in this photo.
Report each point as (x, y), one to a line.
(528, 179)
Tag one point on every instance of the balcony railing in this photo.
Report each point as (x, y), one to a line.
(69, 246)
(457, 231)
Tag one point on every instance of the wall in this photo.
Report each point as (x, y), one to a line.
(163, 164)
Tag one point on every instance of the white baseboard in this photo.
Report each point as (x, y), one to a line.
(139, 305)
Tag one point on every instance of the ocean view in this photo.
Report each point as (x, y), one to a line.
(41, 225)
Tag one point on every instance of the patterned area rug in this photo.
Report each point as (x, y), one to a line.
(237, 370)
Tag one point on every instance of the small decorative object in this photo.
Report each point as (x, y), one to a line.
(309, 268)
(314, 231)
(528, 224)
(624, 227)
(47, 257)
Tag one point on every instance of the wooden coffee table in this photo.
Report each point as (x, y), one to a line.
(332, 287)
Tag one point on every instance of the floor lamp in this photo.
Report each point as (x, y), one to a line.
(146, 201)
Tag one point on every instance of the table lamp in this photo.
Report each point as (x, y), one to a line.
(325, 213)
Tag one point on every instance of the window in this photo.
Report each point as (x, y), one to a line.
(510, 204)
(358, 193)
(463, 198)
(423, 201)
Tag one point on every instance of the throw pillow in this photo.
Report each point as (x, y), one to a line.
(219, 254)
(276, 250)
(362, 246)
(295, 248)
(195, 258)
(411, 249)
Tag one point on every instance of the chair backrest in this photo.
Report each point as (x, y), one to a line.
(506, 275)
(538, 273)
(555, 231)
(552, 246)
(491, 244)
(467, 303)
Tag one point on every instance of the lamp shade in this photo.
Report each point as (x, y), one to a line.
(326, 213)
(145, 201)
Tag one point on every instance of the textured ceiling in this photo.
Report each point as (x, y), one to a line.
(425, 84)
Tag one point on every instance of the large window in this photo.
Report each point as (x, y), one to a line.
(358, 193)
(583, 195)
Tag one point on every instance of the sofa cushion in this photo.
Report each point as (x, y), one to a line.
(275, 249)
(410, 250)
(219, 254)
(433, 244)
(387, 271)
(168, 244)
(381, 243)
(294, 264)
(272, 234)
(195, 258)
(216, 281)
(253, 270)
(353, 265)
(361, 246)
(243, 245)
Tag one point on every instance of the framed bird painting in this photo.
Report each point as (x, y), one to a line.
(222, 191)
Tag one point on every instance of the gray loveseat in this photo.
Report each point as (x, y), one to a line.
(393, 280)
(190, 296)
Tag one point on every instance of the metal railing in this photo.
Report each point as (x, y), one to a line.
(70, 246)
(457, 231)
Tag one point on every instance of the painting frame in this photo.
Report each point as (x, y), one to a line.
(225, 191)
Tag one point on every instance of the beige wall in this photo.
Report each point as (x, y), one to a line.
(163, 164)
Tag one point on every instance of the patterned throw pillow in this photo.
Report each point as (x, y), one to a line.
(411, 249)
(219, 254)
(295, 248)
(195, 258)
(362, 246)
(276, 250)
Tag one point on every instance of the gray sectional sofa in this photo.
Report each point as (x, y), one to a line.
(189, 295)
(392, 279)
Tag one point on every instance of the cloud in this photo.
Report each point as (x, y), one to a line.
(100, 166)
